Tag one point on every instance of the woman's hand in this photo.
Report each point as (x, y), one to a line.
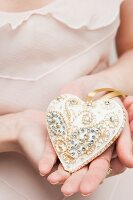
(128, 102)
(88, 178)
(25, 132)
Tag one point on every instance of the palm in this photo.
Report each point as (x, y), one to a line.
(33, 138)
(88, 178)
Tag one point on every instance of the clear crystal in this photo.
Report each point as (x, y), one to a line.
(107, 102)
(74, 153)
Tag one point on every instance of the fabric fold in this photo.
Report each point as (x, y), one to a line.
(76, 14)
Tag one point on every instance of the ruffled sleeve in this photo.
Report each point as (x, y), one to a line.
(91, 14)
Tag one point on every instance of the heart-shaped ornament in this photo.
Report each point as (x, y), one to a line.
(80, 131)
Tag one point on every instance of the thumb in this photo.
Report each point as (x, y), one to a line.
(124, 147)
(32, 141)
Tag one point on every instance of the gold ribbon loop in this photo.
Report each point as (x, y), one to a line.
(110, 93)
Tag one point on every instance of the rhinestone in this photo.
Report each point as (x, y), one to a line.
(79, 152)
(82, 134)
(74, 153)
(89, 145)
(74, 142)
(97, 130)
(83, 149)
(57, 126)
(112, 119)
(73, 148)
(107, 102)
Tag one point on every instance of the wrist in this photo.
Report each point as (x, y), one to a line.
(8, 134)
(120, 74)
(110, 77)
(84, 85)
(96, 81)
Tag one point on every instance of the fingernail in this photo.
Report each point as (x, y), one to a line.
(88, 194)
(54, 183)
(44, 173)
(41, 174)
(85, 195)
(68, 195)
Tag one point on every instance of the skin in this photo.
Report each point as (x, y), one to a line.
(20, 6)
(129, 106)
(28, 129)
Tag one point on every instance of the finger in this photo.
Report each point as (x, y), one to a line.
(48, 160)
(72, 184)
(29, 137)
(130, 113)
(124, 147)
(117, 167)
(96, 174)
(59, 176)
(131, 127)
(128, 101)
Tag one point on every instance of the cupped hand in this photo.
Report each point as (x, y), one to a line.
(87, 179)
(25, 132)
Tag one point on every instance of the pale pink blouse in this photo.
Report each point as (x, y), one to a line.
(41, 51)
(55, 44)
